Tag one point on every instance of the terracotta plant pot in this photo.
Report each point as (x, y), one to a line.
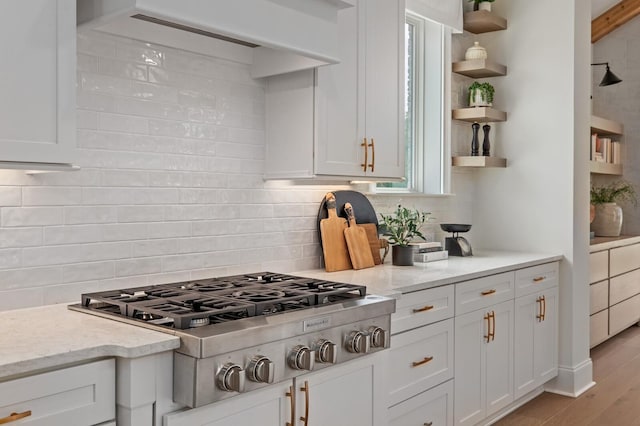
(608, 220)
(402, 255)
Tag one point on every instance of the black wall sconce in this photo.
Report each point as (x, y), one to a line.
(609, 77)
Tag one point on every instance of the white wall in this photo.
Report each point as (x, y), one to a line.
(171, 150)
(540, 201)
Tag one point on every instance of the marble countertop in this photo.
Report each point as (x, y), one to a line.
(605, 243)
(46, 337)
(389, 280)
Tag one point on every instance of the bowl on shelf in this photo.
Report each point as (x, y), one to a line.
(454, 227)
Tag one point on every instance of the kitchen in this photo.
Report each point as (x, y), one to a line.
(170, 187)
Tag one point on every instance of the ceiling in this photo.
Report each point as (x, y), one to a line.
(598, 7)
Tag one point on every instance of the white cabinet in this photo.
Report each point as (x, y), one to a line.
(483, 362)
(350, 393)
(37, 94)
(80, 395)
(318, 121)
(433, 407)
(536, 340)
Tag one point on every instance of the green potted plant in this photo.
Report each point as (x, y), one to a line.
(481, 94)
(401, 228)
(482, 4)
(608, 214)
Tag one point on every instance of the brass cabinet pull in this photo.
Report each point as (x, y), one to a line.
(366, 155)
(422, 362)
(538, 279)
(15, 416)
(423, 309)
(544, 307)
(305, 389)
(291, 396)
(539, 302)
(488, 292)
(487, 336)
(373, 155)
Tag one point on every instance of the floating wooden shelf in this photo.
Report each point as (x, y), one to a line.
(481, 21)
(605, 126)
(479, 114)
(478, 161)
(479, 68)
(600, 168)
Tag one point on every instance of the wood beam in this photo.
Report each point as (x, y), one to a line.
(613, 18)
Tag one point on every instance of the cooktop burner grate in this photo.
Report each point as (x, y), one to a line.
(210, 301)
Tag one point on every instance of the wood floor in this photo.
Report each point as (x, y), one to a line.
(614, 400)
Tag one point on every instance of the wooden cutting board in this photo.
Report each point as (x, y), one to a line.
(357, 242)
(374, 241)
(334, 245)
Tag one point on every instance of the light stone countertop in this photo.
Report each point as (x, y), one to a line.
(605, 243)
(389, 280)
(46, 337)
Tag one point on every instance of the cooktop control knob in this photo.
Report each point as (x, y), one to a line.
(230, 378)
(326, 351)
(379, 337)
(260, 369)
(358, 342)
(301, 357)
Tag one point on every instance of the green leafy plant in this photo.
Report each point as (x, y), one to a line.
(618, 191)
(403, 225)
(486, 91)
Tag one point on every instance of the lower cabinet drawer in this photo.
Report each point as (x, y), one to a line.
(624, 286)
(624, 314)
(420, 359)
(536, 278)
(599, 296)
(482, 292)
(80, 395)
(433, 408)
(422, 307)
(599, 325)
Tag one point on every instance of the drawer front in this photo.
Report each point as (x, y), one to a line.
(536, 278)
(598, 266)
(420, 359)
(624, 259)
(423, 307)
(433, 407)
(624, 286)
(64, 396)
(624, 314)
(482, 292)
(599, 325)
(599, 296)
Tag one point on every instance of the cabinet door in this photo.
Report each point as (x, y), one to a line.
(433, 407)
(483, 364)
(37, 102)
(536, 340)
(499, 361)
(384, 91)
(270, 406)
(362, 96)
(347, 394)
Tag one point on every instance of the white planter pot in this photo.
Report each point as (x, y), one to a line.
(485, 5)
(475, 99)
(608, 220)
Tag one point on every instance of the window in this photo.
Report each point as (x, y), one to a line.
(425, 59)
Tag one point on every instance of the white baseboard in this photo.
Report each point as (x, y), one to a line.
(572, 381)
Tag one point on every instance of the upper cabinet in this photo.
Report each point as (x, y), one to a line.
(344, 120)
(38, 90)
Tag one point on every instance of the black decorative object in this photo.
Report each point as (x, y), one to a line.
(486, 144)
(609, 77)
(475, 143)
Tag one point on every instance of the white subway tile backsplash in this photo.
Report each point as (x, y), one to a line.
(47, 196)
(30, 216)
(171, 150)
(10, 196)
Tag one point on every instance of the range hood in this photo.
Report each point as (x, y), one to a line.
(275, 36)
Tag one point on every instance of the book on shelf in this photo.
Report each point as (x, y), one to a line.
(605, 150)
